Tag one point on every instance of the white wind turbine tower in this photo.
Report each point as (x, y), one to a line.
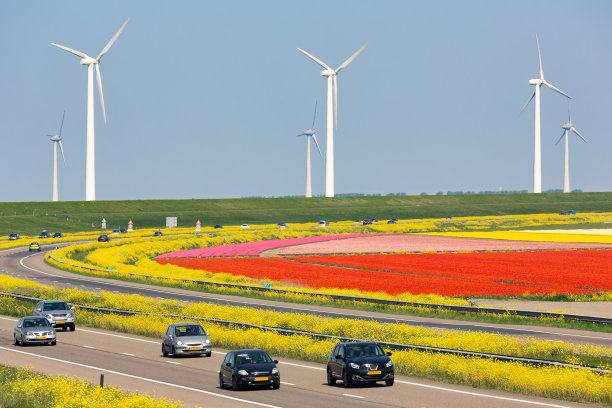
(90, 167)
(332, 111)
(537, 162)
(57, 140)
(567, 127)
(310, 134)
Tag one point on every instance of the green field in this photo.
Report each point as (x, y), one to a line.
(31, 217)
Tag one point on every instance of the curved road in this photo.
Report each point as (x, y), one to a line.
(23, 264)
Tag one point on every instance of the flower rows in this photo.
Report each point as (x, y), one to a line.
(448, 274)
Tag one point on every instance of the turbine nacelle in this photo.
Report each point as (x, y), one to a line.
(55, 138)
(308, 132)
(567, 125)
(535, 82)
(88, 61)
(328, 72)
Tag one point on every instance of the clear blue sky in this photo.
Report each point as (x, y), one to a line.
(204, 99)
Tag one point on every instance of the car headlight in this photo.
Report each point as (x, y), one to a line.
(389, 364)
(49, 316)
(180, 343)
(71, 315)
(354, 366)
(207, 341)
(275, 370)
(243, 372)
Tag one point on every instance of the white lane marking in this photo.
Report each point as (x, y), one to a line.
(173, 362)
(353, 396)
(128, 354)
(118, 335)
(302, 365)
(8, 318)
(482, 395)
(286, 383)
(251, 304)
(89, 347)
(141, 378)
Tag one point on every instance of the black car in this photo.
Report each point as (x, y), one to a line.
(359, 362)
(123, 230)
(158, 234)
(218, 226)
(58, 235)
(44, 234)
(367, 222)
(241, 368)
(103, 238)
(392, 221)
(282, 225)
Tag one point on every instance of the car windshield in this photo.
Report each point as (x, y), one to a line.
(252, 357)
(55, 306)
(39, 322)
(189, 330)
(363, 350)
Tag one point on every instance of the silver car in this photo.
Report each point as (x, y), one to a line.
(57, 312)
(186, 339)
(32, 330)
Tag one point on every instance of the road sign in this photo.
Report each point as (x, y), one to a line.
(171, 222)
(198, 225)
(130, 226)
(103, 223)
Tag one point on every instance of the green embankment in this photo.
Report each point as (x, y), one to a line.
(31, 217)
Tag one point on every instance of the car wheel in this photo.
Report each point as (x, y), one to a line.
(330, 378)
(345, 380)
(16, 342)
(389, 383)
(54, 342)
(164, 352)
(235, 385)
(208, 354)
(221, 383)
(72, 327)
(276, 386)
(173, 352)
(64, 328)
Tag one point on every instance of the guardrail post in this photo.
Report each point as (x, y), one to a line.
(101, 380)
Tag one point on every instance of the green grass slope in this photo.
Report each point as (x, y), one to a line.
(31, 217)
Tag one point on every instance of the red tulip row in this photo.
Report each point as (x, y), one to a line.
(463, 274)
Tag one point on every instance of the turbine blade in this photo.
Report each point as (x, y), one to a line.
(557, 89)
(62, 125)
(315, 59)
(112, 40)
(317, 143)
(50, 135)
(336, 100)
(99, 78)
(70, 50)
(348, 61)
(314, 116)
(569, 115)
(525, 105)
(540, 58)
(573, 129)
(62, 150)
(561, 138)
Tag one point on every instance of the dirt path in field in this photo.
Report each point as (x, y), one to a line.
(599, 309)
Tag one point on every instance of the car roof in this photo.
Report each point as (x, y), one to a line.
(358, 342)
(247, 350)
(34, 317)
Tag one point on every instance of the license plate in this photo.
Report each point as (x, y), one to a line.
(373, 372)
(41, 337)
(261, 378)
(60, 322)
(195, 348)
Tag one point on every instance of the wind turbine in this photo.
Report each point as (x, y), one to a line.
(310, 134)
(537, 162)
(332, 111)
(90, 167)
(567, 127)
(57, 140)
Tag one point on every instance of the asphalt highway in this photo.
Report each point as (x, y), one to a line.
(21, 263)
(135, 363)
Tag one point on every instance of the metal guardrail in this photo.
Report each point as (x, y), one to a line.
(319, 336)
(455, 308)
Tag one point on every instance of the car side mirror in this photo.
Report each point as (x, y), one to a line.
(228, 364)
(275, 361)
(389, 353)
(339, 357)
(71, 307)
